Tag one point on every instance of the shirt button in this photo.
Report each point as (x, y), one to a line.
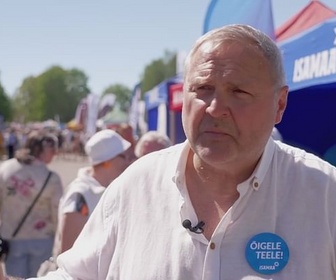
(212, 246)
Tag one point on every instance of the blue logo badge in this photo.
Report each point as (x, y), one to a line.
(267, 253)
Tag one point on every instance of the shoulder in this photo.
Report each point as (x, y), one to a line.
(55, 179)
(9, 163)
(302, 164)
(10, 167)
(82, 186)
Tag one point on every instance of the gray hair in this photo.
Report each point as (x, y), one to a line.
(151, 136)
(243, 33)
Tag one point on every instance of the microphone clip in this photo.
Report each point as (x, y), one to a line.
(196, 229)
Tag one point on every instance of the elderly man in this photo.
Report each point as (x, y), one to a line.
(230, 202)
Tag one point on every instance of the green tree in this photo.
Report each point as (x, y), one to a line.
(54, 92)
(63, 90)
(158, 71)
(122, 93)
(26, 102)
(5, 105)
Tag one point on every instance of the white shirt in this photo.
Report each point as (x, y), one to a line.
(84, 185)
(135, 232)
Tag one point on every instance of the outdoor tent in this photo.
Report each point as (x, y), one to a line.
(163, 108)
(313, 13)
(310, 66)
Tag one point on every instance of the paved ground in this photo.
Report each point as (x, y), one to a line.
(67, 167)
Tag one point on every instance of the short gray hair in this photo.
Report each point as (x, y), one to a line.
(152, 136)
(241, 32)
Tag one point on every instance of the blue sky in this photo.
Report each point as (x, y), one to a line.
(111, 41)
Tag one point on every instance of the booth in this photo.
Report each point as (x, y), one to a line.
(310, 66)
(176, 132)
(163, 109)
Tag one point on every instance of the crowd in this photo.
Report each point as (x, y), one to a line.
(56, 217)
(231, 202)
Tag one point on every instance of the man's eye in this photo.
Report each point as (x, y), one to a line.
(240, 92)
(205, 88)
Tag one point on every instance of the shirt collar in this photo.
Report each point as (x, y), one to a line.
(259, 173)
(254, 180)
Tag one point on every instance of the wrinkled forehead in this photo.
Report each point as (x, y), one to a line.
(241, 59)
(216, 48)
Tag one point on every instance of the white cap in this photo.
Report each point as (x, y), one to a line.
(105, 145)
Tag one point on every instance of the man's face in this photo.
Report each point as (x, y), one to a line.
(230, 103)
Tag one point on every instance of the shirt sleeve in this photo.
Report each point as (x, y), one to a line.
(70, 203)
(75, 203)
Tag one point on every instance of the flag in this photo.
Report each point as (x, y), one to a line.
(92, 114)
(257, 13)
(134, 108)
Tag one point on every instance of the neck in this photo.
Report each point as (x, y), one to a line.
(213, 176)
(104, 178)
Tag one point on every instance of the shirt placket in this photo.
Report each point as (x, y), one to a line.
(212, 261)
(211, 269)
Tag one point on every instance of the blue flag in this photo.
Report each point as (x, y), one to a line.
(257, 13)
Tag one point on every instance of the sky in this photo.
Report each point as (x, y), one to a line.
(110, 41)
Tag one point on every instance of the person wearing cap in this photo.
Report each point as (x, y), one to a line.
(108, 155)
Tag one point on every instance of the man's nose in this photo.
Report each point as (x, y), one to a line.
(219, 105)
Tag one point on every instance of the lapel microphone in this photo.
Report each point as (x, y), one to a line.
(196, 229)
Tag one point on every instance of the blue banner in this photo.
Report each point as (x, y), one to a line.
(257, 13)
(310, 57)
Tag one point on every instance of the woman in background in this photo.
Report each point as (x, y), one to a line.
(21, 179)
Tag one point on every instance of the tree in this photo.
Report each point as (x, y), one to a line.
(158, 71)
(26, 102)
(55, 92)
(5, 105)
(122, 93)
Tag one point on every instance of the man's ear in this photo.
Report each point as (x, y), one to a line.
(281, 103)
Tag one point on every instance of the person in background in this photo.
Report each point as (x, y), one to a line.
(12, 142)
(126, 132)
(107, 153)
(2, 145)
(229, 202)
(151, 141)
(21, 179)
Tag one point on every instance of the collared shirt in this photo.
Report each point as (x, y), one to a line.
(136, 232)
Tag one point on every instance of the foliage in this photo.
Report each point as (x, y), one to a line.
(58, 91)
(158, 71)
(5, 105)
(55, 92)
(122, 93)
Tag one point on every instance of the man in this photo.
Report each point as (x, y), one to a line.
(107, 153)
(230, 202)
